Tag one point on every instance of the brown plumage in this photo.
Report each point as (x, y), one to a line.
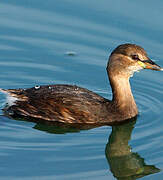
(73, 104)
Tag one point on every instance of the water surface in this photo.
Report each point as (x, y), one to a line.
(44, 42)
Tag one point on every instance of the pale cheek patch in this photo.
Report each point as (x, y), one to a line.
(133, 69)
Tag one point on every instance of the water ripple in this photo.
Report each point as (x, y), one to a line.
(33, 46)
(32, 65)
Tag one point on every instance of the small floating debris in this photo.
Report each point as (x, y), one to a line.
(37, 87)
(71, 53)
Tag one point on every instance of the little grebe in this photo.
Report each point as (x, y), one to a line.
(73, 104)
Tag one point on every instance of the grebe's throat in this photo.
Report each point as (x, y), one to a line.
(123, 99)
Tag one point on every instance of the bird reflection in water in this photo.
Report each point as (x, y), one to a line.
(124, 164)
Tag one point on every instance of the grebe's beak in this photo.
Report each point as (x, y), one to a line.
(149, 64)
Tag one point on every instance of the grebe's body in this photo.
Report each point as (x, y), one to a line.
(63, 103)
(73, 104)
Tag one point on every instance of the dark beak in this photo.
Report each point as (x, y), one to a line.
(149, 64)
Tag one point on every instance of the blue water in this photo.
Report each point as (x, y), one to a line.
(44, 42)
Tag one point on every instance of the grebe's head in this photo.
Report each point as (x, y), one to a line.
(128, 58)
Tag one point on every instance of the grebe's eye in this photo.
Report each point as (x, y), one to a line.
(135, 57)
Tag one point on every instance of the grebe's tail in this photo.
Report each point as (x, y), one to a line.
(10, 92)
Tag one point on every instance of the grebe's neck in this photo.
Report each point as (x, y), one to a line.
(123, 99)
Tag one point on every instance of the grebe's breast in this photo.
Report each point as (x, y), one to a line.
(63, 103)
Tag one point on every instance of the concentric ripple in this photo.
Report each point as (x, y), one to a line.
(44, 42)
(147, 96)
